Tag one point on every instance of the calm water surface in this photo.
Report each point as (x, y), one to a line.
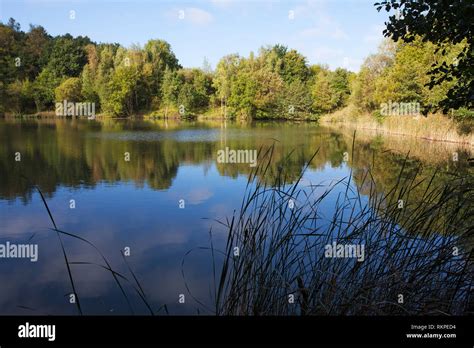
(135, 204)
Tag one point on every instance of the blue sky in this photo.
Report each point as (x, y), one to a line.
(339, 33)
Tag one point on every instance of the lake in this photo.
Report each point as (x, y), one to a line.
(147, 194)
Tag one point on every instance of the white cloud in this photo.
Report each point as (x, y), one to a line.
(197, 16)
(192, 15)
(198, 196)
(310, 7)
(323, 24)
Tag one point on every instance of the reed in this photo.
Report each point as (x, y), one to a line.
(415, 263)
(434, 127)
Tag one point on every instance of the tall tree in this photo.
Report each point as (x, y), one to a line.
(68, 56)
(363, 86)
(324, 98)
(441, 22)
(222, 82)
(36, 51)
(158, 57)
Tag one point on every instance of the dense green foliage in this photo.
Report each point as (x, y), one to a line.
(276, 83)
(189, 89)
(443, 23)
(399, 72)
(69, 90)
(38, 70)
(331, 90)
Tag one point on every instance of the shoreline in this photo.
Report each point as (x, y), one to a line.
(433, 128)
(391, 133)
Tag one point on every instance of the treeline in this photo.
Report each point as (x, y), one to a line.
(38, 70)
(400, 72)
